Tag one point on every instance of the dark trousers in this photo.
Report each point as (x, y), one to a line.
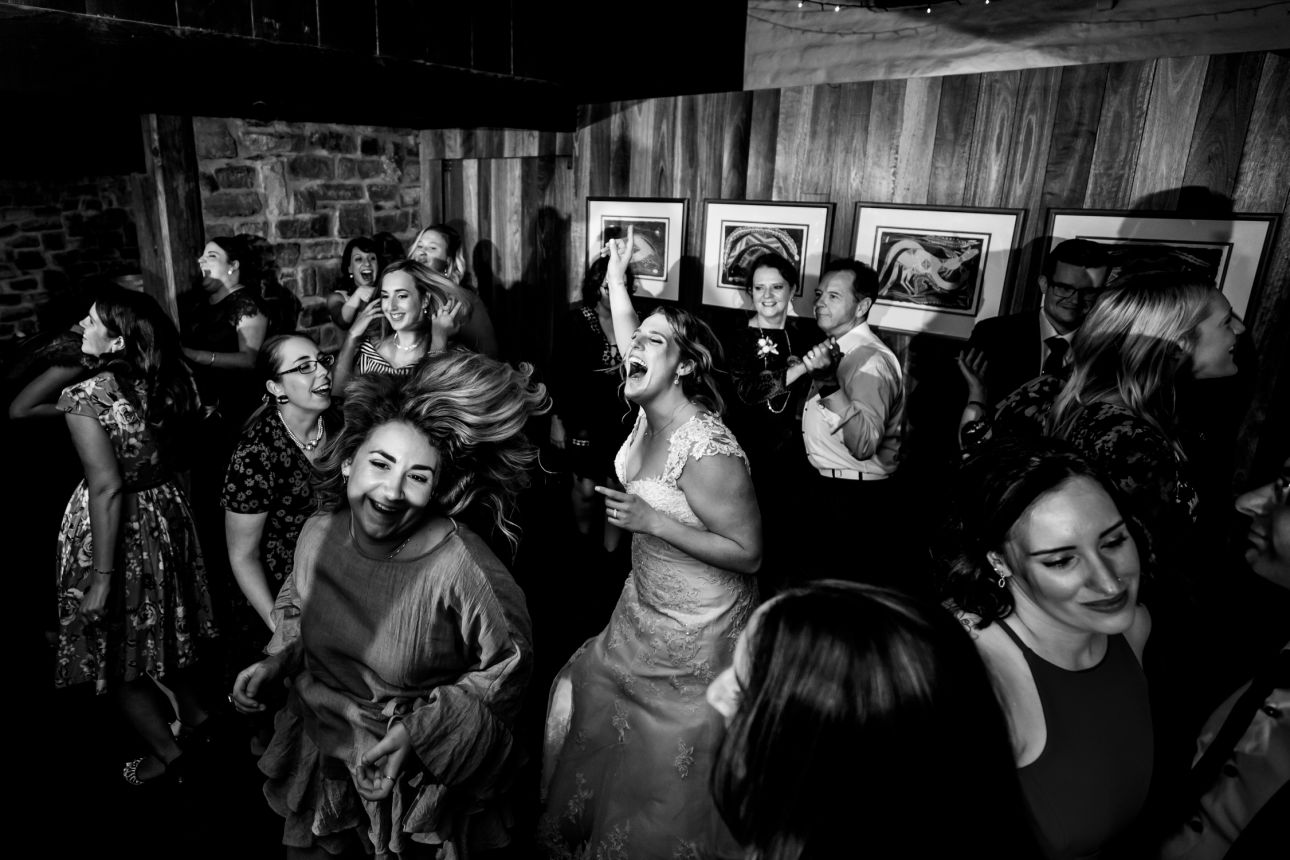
(855, 530)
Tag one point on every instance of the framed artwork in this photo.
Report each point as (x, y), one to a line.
(658, 237)
(1230, 251)
(939, 270)
(737, 232)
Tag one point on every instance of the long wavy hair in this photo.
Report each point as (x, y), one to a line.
(472, 409)
(428, 287)
(700, 347)
(1135, 345)
(992, 491)
(152, 360)
(862, 709)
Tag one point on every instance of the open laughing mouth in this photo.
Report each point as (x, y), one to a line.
(636, 368)
(365, 276)
(385, 510)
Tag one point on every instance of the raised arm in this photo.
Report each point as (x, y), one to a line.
(620, 302)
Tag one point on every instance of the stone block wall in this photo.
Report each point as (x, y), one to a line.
(307, 189)
(55, 232)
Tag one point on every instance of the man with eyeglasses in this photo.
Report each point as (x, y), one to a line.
(1006, 352)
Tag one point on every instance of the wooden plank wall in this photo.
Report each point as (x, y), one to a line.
(1165, 134)
(510, 193)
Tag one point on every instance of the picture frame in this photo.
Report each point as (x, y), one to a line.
(659, 238)
(736, 232)
(940, 269)
(1232, 250)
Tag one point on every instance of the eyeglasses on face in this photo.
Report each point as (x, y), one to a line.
(1086, 295)
(309, 365)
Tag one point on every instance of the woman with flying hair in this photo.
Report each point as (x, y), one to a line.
(406, 641)
(862, 723)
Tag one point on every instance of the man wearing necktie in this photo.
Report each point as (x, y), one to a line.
(1007, 352)
(851, 428)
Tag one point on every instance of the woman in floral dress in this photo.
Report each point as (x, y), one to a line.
(133, 602)
(630, 739)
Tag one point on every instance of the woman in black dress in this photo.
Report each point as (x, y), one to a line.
(770, 385)
(591, 421)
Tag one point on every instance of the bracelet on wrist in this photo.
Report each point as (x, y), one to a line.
(101, 572)
(211, 362)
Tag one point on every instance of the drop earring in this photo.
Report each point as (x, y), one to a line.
(676, 380)
(1003, 576)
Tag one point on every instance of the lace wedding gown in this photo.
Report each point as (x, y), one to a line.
(630, 738)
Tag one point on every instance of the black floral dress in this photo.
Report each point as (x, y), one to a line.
(585, 388)
(159, 607)
(269, 474)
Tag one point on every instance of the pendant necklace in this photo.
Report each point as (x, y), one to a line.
(398, 549)
(761, 337)
(304, 446)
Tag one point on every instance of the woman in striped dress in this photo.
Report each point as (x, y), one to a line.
(418, 318)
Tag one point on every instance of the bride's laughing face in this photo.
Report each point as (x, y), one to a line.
(653, 361)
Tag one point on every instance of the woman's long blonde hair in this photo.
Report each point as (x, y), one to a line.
(1134, 346)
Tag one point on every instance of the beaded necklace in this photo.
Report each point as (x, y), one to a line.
(304, 446)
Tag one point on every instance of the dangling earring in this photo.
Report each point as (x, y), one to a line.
(676, 380)
(1003, 576)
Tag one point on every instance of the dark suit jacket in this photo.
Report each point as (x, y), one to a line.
(1011, 346)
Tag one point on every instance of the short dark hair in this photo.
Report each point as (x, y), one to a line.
(779, 263)
(865, 283)
(1083, 253)
(856, 698)
(596, 276)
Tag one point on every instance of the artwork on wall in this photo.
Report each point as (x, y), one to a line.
(737, 232)
(1230, 252)
(658, 237)
(939, 270)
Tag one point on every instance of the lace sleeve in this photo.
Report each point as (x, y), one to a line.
(702, 436)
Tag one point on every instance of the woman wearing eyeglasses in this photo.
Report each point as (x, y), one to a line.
(267, 495)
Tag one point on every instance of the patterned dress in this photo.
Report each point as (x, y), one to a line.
(270, 475)
(158, 607)
(630, 738)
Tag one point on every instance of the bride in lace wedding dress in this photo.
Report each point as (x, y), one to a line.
(630, 739)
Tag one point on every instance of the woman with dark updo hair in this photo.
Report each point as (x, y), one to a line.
(1042, 564)
(133, 602)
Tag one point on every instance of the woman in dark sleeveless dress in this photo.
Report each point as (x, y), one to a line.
(1044, 571)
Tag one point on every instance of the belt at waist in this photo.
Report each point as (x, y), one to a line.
(851, 475)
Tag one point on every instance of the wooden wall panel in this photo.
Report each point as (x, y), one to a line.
(991, 139)
(1109, 136)
(1124, 109)
(1167, 132)
(917, 138)
(955, 121)
(1222, 121)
